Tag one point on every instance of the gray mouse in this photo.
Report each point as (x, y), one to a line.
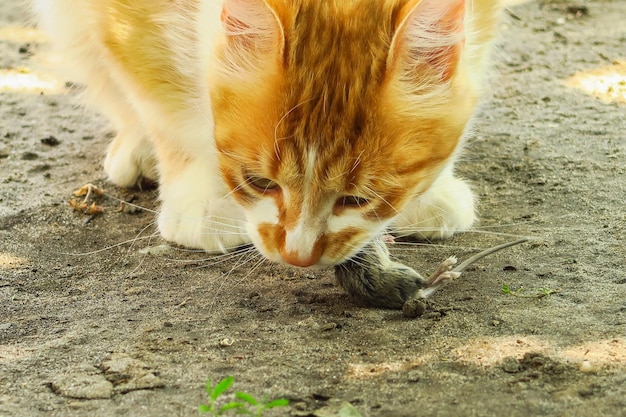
(372, 278)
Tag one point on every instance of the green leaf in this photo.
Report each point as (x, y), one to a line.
(281, 402)
(546, 292)
(246, 397)
(223, 385)
(204, 408)
(231, 406)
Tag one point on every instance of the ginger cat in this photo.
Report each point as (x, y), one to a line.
(307, 127)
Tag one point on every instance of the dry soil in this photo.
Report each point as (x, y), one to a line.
(92, 325)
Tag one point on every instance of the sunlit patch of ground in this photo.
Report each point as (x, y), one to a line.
(607, 83)
(370, 370)
(611, 352)
(26, 80)
(22, 34)
(13, 353)
(489, 352)
(8, 261)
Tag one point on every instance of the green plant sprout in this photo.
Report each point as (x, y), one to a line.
(538, 293)
(248, 404)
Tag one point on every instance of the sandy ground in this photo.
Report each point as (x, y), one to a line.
(92, 325)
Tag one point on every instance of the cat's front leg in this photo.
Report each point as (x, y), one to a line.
(446, 208)
(195, 210)
(130, 157)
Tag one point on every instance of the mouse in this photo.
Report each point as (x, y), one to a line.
(373, 279)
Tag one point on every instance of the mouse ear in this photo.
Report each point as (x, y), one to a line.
(254, 34)
(429, 39)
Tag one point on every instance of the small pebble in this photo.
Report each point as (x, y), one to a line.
(76, 291)
(50, 141)
(134, 290)
(413, 308)
(29, 156)
(326, 327)
(510, 365)
(578, 10)
(587, 367)
(226, 342)
(300, 406)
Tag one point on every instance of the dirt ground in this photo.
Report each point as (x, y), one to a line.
(93, 324)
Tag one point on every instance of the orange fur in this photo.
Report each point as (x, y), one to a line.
(351, 109)
(335, 93)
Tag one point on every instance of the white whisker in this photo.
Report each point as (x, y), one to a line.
(117, 245)
(370, 191)
(130, 204)
(256, 266)
(282, 119)
(215, 260)
(237, 188)
(126, 242)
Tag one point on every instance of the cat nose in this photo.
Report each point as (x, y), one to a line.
(296, 259)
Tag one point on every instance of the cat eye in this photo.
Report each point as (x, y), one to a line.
(262, 185)
(352, 201)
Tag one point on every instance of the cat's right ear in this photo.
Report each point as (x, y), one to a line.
(430, 36)
(254, 34)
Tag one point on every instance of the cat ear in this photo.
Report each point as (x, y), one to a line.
(253, 31)
(429, 39)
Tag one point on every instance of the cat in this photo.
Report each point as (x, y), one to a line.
(307, 127)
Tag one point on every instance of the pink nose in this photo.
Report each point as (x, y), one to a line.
(295, 259)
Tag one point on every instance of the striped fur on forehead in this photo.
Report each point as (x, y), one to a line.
(334, 59)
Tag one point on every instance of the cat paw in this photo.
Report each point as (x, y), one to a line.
(446, 208)
(216, 227)
(130, 158)
(194, 212)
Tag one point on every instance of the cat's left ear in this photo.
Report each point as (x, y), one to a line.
(429, 39)
(253, 31)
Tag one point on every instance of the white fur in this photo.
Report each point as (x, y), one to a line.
(195, 215)
(447, 207)
(423, 30)
(261, 29)
(300, 240)
(196, 211)
(423, 34)
(130, 157)
(264, 212)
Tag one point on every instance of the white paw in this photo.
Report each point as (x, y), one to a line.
(447, 207)
(216, 227)
(129, 158)
(193, 215)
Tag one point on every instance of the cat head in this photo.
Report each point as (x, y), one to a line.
(331, 116)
